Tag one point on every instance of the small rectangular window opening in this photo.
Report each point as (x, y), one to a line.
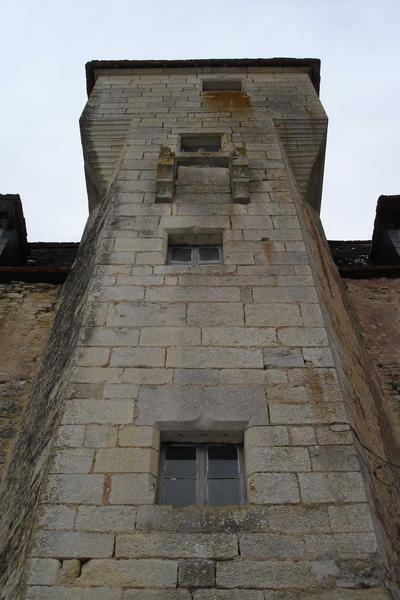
(222, 85)
(201, 143)
(201, 474)
(194, 255)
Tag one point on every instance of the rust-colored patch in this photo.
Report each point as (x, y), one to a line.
(268, 248)
(226, 101)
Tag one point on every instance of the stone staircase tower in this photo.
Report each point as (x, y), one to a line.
(196, 442)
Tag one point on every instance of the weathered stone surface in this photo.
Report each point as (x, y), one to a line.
(73, 544)
(157, 595)
(352, 517)
(105, 518)
(228, 595)
(238, 336)
(81, 489)
(131, 435)
(207, 315)
(215, 357)
(27, 312)
(173, 405)
(196, 573)
(176, 545)
(273, 488)
(130, 573)
(298, 519)
(267, 545)
(43, 571)
(108, 412)
(56, 516)
(266, 436)
(332, 487)
(170, 336)
(264, 574)
(137, 488)
(334, 458)
(272, 314)
(200, 518)
(143, 313)
(261, 460)
(126, 460)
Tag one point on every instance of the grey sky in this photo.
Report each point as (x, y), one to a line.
(46, 43)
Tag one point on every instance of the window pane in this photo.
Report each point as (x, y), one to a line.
(222, 461)
(179, 492)
(180, 254)
(180, 461)
(209, 254)
(223, 491)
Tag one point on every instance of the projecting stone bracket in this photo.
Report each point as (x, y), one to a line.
(166, 175)
(236, 161)
(239, 175)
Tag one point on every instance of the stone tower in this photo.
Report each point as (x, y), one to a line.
(191, 436)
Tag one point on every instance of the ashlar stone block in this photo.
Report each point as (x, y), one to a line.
(280, 459)
(176, 545)
(267, 545)
(157, 595)
(73, 544)
(273, 488)
(130, 573)
(196, 573)
(351, 517)
(132, 489)
(277, 314)
(214, 357)
(332, 487)
(266, 574)
(126, 460)
(74, 488)
(106, 518)
(43, 571)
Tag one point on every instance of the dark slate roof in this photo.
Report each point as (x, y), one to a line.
(52, 254)
(312, 64)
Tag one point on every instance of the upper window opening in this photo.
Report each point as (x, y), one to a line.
(222, 85)
(194, 255)
(201, 143)
(201, 474)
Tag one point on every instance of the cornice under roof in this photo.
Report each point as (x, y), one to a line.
(312, 64)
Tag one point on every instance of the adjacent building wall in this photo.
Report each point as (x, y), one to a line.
(362, 327)
(26, 315)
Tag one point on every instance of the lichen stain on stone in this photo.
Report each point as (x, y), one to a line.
(225, 101)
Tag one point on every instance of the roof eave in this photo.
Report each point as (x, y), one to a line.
(313, 65)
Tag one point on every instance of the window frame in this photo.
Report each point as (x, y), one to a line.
(202, 478)
(195, 250)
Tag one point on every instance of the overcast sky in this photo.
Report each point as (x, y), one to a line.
(45, 44)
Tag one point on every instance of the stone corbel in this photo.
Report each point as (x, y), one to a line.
(239, 174)
(166, 175)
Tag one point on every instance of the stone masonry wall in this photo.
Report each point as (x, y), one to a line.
(26, 314)
(173, 350)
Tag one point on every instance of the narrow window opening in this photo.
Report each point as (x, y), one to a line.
(201, 474)
(194, 255)
(201, 143)
(222, 85)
